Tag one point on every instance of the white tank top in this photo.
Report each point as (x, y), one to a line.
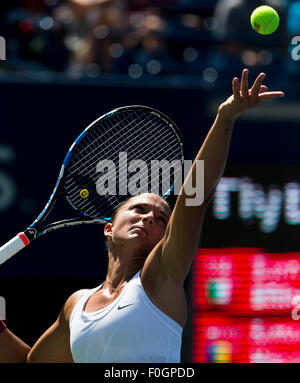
(131, 329)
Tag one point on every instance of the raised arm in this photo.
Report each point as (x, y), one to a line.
(180, 242)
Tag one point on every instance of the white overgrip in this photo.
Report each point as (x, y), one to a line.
(13, 246)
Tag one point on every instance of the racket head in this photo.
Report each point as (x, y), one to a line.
(124, 136)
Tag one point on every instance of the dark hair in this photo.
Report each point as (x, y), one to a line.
(119, 207)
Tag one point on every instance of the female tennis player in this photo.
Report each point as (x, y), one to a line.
(138, 313)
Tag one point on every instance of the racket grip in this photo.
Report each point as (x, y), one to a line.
(13, 247)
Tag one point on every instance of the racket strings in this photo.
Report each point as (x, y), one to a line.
(146, 154)
(171, 150)
(130, 132)
(82, 202)
(120, 178)
(113, 139)
(103, 133)
(108, 149)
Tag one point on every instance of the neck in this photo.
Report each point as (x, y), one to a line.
(121, 269)
(110, 286)
(115, 279)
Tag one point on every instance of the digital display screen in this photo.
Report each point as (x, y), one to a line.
(223, 339)
(246, 273)
(246, 281)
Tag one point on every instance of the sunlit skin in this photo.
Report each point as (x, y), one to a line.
(139, 226)
(162, 250)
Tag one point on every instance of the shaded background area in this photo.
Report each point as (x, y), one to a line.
(67, 63)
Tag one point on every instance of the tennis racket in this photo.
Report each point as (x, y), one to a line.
(140, 133)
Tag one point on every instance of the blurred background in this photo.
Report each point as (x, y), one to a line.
(63, 63)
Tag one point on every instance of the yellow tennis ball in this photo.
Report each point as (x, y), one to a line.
(264, 20)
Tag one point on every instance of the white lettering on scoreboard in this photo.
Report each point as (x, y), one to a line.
(255, 201)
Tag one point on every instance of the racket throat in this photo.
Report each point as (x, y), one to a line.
(29, 234)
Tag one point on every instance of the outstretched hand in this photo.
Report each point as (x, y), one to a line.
(244, 98)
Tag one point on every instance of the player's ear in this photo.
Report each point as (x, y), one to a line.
(108, 230)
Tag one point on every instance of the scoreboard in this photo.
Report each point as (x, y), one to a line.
(220, 339)
(245, 281)
(246, 273)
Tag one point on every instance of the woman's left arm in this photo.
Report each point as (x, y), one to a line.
(182, 235)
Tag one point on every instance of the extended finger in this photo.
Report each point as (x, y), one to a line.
(244, 85)
(235, 88)
(257, 84)
(269, 95)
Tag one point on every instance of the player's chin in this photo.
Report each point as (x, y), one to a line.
(141, 242)
(138, 238)
(137, 233)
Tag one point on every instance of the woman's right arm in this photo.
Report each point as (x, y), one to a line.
(52, 347)
(12, 348)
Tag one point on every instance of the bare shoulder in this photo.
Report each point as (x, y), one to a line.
(162, 289)
(54, 345)
(156, 272)
(71, 302)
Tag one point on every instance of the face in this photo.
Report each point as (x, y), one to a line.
(141, 222)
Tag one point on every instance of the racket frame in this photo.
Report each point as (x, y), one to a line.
(36, 229)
